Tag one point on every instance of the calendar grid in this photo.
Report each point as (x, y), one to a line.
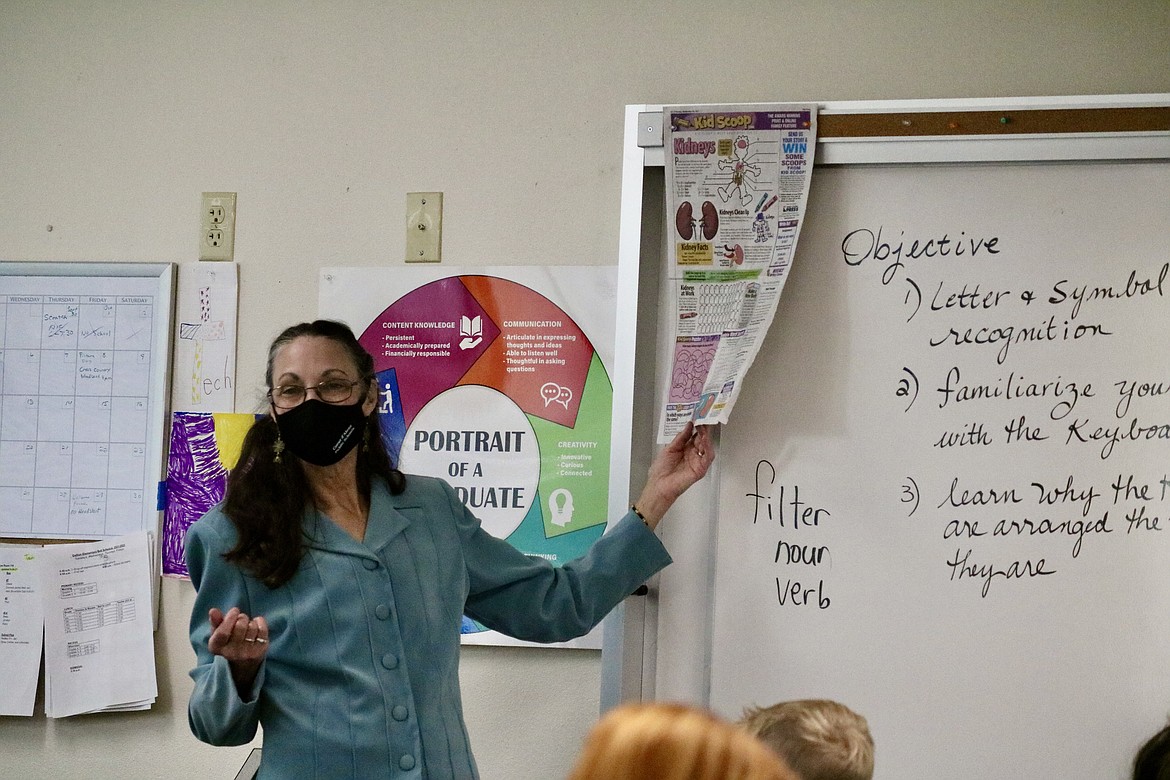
(76, 369)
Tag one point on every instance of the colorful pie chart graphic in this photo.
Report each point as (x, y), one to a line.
(490, 385)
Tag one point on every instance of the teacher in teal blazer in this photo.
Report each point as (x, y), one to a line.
(331, 587)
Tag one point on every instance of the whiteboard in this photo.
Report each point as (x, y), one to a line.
(925, 489)
(1048, 675)
(84, 368)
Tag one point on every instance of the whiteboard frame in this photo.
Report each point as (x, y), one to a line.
(631, 667)
(161, 343)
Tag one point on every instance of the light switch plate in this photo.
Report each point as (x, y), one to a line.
(424, 227)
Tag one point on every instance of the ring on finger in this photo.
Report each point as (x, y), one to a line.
(246, 639)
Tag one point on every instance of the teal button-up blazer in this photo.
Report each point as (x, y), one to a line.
(361, 675)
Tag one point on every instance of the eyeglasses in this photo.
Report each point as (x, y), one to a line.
(331, 391)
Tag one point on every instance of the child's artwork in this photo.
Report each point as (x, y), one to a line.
(204, 448)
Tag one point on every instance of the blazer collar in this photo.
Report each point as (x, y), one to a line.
(385, 523)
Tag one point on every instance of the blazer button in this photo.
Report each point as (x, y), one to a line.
(382, 611)
(406, 763)
(390, 661)
(369, 564)
(399, 713)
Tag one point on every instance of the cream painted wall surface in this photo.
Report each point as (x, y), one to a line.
(115, 116)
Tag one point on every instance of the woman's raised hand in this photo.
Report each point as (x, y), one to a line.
(679, 465)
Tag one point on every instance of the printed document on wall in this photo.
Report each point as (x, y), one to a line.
(99, 640)
(22, 623)
(737, 180)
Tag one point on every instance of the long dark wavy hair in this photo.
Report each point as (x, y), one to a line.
(267, 500)
(1152, 761)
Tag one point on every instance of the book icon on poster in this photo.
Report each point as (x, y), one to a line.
(471, 329)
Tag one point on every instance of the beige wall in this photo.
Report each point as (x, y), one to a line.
(114, 116)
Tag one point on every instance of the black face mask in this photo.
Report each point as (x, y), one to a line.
(321, 433)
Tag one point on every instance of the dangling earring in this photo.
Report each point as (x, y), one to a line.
(366, 439)
(277, 448)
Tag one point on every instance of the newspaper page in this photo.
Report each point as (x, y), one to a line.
(737, 180)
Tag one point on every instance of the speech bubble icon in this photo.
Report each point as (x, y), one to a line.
(564, 396)
(549, 391)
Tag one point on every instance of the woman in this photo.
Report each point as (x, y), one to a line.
(664, 741)
(330, 586)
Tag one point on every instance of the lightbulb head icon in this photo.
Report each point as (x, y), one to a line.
(560, 505)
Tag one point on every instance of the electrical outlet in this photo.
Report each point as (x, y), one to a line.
(424, 227)
(217, 230)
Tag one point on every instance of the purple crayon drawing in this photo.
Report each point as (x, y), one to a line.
(196, 479)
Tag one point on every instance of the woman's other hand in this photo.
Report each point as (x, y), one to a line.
(243, 641)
